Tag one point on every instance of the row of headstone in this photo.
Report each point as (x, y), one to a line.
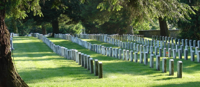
(163, 40)
(163, 47)
(128, 55)
(105, 50)
(184, 42)
(72, 54)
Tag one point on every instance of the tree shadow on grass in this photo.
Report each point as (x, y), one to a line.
(37, 74)
(186, 84)
(35, 51)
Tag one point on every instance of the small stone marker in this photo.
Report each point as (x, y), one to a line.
(186, 54)
(85, 61)
(135, 57)
(160, 52)
(127, 55)
(171, 67)
(192, 56)
(158, 62)
(116, 53)
(100, 70)
(174, 53)
(179, 69)
(120, 54)
(151, 60)
(131, 56)
(151, 50)
(88, 62)
(82, 58)
(164, 52)
(164, 65)
(141, 57)
(169, 52)
(96, 67)
(198, 56)
(156, 51)
(91, 66)
(79, 60)
(196, 50)
(179, 54)
(110, 51)
(145, 58)
(124, 51)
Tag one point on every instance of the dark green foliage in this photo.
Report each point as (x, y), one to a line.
(191, 29)
(103, 21)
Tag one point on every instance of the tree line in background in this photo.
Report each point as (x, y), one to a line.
(106, 16)
(96, 16)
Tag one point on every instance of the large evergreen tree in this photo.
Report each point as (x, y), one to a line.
(191, 29)
(148, 9)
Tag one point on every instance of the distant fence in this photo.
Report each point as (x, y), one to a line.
(149, 33)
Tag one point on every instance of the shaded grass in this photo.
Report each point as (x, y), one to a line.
(39, 66)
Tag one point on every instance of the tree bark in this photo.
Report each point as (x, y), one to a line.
(55, 26)
(8, 75)
(163, 27)
(44, 29)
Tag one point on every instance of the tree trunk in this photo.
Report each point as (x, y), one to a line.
(8, 75)
(44, 29)
(55, 26)
(163, 27)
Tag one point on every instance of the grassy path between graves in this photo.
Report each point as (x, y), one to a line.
(40, 67)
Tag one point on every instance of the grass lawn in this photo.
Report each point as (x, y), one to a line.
(39, 66)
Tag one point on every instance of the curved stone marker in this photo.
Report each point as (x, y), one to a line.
(171, 67)
(164, 65)
(91, 66)
(96, 67)
(100, 70)
(179, 69)
(158, 62)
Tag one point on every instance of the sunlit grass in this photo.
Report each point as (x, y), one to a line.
(43, 68)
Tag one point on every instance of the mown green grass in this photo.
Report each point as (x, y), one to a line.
(39, 66)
